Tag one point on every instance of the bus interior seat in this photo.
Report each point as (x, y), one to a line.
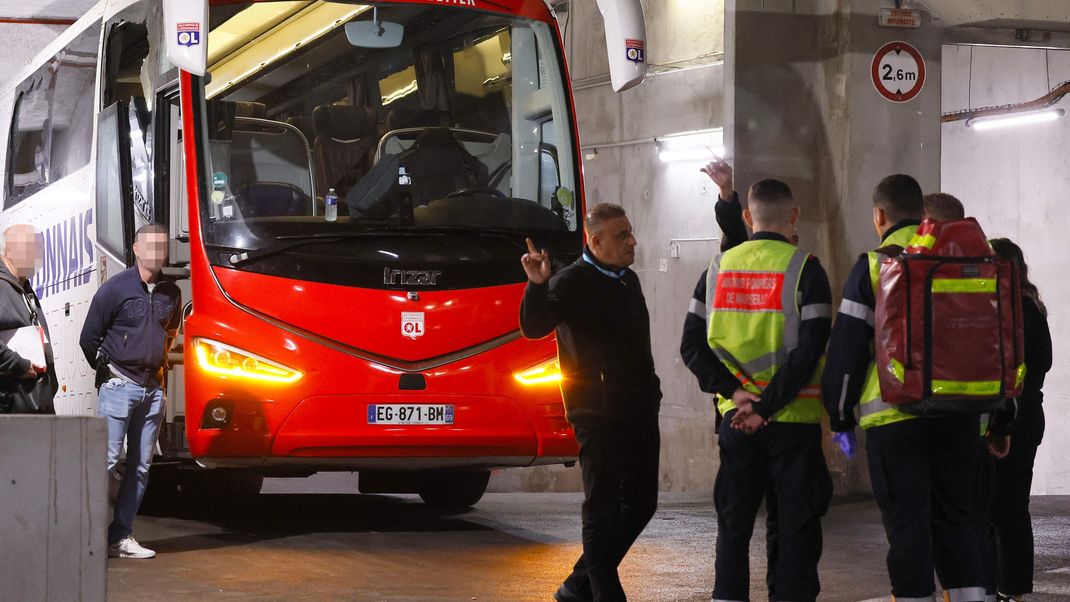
(304, 124)
(271, 152)
(222, 116)
(345, 138)
(439, 165)
(265, 163)
(397, 119)
(256, 110)
(272, 199)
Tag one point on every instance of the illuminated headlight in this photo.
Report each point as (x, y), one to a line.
(546, 372)
(224, 360)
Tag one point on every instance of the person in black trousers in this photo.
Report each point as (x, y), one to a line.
(610, 390)
(694, 344)
(1014, 473)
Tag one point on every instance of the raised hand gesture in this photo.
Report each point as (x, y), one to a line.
(721, 173)
(536, 264)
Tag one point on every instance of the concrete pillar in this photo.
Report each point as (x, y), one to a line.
(800, 106)
(53, 507)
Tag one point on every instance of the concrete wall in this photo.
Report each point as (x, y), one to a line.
(1015, 182)
(664, 201)
(53, 508)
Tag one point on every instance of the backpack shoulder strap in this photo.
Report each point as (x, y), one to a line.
(890, 250)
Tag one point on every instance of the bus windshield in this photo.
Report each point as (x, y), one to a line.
(458, 129)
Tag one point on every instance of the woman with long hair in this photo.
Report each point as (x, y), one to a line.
(1014, 473)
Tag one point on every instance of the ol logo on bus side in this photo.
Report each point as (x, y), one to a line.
(634, 50)
(189, 34)
(412, 324)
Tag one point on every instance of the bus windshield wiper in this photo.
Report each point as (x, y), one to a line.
(299, 240)
(511, 236)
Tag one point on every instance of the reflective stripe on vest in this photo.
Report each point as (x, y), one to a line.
(873, 411)
(753, 319)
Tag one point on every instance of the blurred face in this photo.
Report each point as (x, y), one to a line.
(23, 253)
(615, 243)
(150, 249)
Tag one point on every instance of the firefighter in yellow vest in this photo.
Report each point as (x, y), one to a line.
(769, 320)
(922, 469)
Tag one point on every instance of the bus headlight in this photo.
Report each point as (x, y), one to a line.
(224, 360)
(546, 372)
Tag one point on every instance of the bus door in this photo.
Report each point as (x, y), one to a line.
(140, 173)
(173, 212)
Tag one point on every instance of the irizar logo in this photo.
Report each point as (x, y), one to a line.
(410, 277)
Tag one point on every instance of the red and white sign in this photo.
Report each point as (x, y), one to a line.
(898, 71)
(749, 291)
(900, 17)
(412, 324)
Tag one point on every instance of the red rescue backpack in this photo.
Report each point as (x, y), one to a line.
(948, 323)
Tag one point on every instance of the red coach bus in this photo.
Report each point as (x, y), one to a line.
(348, 187)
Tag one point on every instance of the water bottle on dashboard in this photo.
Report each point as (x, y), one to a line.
(331, 214)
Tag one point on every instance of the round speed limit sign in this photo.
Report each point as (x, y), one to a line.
(898, 71)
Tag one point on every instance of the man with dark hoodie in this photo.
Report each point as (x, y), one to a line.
(25, 387)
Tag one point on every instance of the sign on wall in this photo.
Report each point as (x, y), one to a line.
(898, 71)
(900, 17)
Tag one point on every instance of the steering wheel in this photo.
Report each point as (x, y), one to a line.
(477, 190)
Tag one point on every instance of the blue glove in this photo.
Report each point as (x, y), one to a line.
(847, 442)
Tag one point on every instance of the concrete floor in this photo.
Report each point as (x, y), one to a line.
(335, 545)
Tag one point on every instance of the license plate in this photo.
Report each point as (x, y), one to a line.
(410, 413)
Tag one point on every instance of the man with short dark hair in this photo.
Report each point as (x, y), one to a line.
(943, 207)
(769, 316)
(922, 468)
(611, 392)
(694, 344)
(131, 324)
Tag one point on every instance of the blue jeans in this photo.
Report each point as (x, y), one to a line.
(134, 414)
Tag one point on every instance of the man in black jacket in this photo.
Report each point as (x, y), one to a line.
(694, 342)
(611, 392)
(26, 387)
(130, 326)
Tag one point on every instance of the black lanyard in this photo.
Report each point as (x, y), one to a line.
(31, 305)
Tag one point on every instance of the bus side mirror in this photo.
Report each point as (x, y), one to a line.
(625, 41)
(186, 34)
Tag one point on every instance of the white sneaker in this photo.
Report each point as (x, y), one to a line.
(129, 548)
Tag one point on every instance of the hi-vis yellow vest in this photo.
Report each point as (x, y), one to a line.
(873, 410)
(753, 320)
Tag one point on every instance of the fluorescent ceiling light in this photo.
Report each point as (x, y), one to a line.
(1013, 119)
(700, 145)
(689, 154)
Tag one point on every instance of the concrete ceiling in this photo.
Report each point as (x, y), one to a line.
(22, 39)
(1048, 15)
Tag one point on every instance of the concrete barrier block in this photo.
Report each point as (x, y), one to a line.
(53, 508)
